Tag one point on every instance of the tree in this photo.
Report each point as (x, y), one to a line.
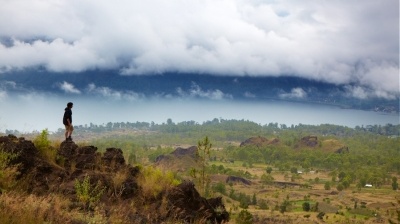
(203, 151)
(284, 206)
(254, 199)
(342, 175)
(306, 206)
(269, 170)
(395, 185)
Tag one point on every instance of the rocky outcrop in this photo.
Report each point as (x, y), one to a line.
(73, 157)
(259, 142)
(179, 153)
(341, 150)
(25, 151)
(309, 141)
(113, 159)
(180, 160)
(236, 180)
(188, 205)
(41, 176)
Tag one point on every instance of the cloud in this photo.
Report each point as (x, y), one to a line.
(3, 95)
(5, 86)
(113, 94)
(195, 91)
(69, 88)
(332, 41)
(249, 95)
(8, 85)
(295, 93)
(360, 92)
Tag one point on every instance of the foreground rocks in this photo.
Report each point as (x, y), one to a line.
(40, 176)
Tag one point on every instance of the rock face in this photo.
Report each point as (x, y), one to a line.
(25, 151)
(74, 157)
(188, 205)
(259, 142)
(180, 160)
(309, 141)
(341, 150)
(179, 152)
(235, 180)
(43, 177)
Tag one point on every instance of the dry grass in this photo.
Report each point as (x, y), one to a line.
(31, 209)
(118, 179)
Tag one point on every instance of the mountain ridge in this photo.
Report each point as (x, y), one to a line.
(289, 88)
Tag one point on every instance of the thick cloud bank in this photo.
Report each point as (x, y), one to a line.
(341, 42)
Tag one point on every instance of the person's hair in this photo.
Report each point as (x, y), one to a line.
(69, 105)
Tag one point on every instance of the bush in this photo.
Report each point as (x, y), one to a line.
(263, 204)
(340, 187)
(153, 181)
(219, 187)
(306, 206)
(43, 144)
(86, 193)
(327, 185)
(244, 217)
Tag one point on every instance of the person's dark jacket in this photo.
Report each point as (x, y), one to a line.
(67, 115)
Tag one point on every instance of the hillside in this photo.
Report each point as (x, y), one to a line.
(93, 186)
(267, 174)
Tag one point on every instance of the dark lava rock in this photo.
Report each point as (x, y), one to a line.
(187, 204)
(234, 179)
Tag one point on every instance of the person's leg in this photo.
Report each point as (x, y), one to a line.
(71, 129)
(66, 131)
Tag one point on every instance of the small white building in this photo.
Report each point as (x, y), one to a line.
(368, 185)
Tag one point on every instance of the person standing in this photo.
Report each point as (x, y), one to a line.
(67, 121)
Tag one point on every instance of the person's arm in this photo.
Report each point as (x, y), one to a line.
(69, 118)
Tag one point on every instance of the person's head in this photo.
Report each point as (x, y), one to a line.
(69, 105)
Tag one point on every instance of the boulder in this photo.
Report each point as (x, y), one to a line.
(309, 141)
(73, 157)
(25, 151)
(187, 204)
(113, 159)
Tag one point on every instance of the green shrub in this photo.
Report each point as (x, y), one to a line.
(244, 217)
(43, 144)
(306, 206)
(219, 187)
(86, 193)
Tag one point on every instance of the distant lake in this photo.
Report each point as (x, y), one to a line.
(26, 115)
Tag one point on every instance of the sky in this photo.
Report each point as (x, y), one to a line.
(341, 42)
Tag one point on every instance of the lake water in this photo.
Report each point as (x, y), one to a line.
(38, 113)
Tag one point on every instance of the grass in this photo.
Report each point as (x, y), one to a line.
(154, 181)
(376, 198)
(31, 209)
